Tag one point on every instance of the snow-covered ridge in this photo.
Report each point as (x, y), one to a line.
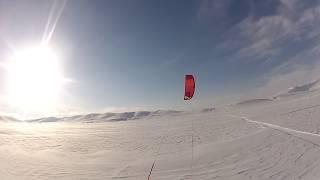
(101, 117)
(205, 110)
(7, 119)
(253, 101)
(304, 88)
(105, 117)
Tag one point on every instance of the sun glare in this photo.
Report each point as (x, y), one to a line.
(34, 78)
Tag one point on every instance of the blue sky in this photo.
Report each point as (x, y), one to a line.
(125, 55)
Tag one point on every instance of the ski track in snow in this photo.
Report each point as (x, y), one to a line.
(277, 127)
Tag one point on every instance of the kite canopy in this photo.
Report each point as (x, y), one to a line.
(189, 87)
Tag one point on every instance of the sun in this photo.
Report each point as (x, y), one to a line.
(34, 78)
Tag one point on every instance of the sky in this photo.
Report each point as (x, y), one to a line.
(132, 55)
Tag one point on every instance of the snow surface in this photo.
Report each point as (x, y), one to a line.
(275, 140)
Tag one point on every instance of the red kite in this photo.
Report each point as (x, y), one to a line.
(189, 87)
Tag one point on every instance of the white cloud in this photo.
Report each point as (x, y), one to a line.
(265, 37)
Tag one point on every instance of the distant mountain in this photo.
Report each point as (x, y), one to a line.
(253, 101)
(8, 119)
(207, 110)
(304, 87)
(101, 117)
(308, 87)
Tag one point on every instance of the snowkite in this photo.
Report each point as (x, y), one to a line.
(189, 87)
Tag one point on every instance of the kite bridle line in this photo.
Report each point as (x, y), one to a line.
(192, 146)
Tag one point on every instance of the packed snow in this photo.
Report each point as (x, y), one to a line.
(263, 139)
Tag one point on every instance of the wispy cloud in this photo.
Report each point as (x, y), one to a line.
(265, 37)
